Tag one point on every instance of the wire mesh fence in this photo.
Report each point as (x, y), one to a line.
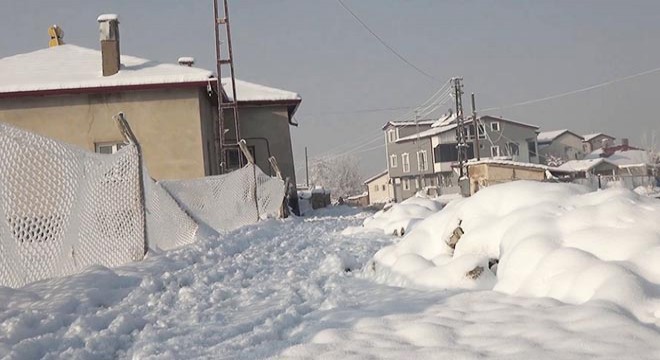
(63, 209)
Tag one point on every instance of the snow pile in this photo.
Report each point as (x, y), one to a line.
(400, 218)
(552, 240)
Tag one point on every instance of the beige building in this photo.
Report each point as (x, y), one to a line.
(379, 188)
(67, 92)
(485, 173)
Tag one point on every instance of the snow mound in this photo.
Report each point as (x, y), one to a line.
(400, 218)
(552, 240)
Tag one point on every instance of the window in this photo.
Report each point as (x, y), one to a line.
(406, 184)
(495, 126)
(375, 187)
(494, 151)
(514, 148)
(392, 135)
(431, 182)
(108, 147)
(417, 183)
(383, 187)
(393, 161)
(405, 161)
(470, 131)
(449, 152)
(422, 161)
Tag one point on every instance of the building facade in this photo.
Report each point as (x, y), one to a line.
(379, 188)
(431, 155)
(67, 92)
(559, 146)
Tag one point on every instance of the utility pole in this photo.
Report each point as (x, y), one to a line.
(306, 168)
(221, 19)
(461, 145)
(477, 149)
(419, 148)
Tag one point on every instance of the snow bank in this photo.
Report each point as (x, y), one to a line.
(400, 218)
(552, 240)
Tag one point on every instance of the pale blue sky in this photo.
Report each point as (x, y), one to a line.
(507, 52)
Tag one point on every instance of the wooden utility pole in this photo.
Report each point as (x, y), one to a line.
(476, 130)
(306, 168)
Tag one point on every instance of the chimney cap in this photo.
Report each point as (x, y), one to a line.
(107, 17)
(186, 60)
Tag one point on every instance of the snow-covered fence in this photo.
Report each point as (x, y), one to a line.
(226, 202)
(168, 225)
(630, 182)
(63, 208)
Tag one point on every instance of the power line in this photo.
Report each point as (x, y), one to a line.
(396, 53)
(572, 92)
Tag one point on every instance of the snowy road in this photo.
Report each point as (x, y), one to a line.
(279, 289)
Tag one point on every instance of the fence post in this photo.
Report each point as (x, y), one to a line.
(127, 133)
(246, 152)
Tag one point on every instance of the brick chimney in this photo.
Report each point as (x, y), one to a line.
(110, 54)
(624, 143)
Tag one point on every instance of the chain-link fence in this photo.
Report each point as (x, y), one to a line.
(63, 208)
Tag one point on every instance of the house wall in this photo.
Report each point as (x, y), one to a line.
(266, 128)
(597, 142)
(483, 175)
(380, 190)
(424, 180)
(165, 121)
(567, 147)
(509, 132)
(410, 147)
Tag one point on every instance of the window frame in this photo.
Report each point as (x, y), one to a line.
(422, 155)
(495, 126)
(394, 161)
(114, 146)
(499, 153)
(405, 162)
(405, 184)
(392, 135)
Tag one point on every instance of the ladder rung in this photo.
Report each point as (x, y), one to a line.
(224, 61)
(221, 21)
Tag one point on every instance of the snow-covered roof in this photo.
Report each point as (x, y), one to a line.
(448, 123)
(631, 157)
(549, 136)
(496, 161)
(589, 137)
(74, 67)
(377, 176)
(408, 123)
(430, 132)
(582, 165)
(68, 67)
(247, 91)
(444, 120)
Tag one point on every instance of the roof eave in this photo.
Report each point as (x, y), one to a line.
(101, 89)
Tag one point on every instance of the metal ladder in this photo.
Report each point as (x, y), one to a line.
(222, 145)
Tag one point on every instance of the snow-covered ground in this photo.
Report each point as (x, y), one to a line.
(302, 288)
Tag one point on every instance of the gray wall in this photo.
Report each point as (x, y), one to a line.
(509, 132)
(411, 147)
(567, 147)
